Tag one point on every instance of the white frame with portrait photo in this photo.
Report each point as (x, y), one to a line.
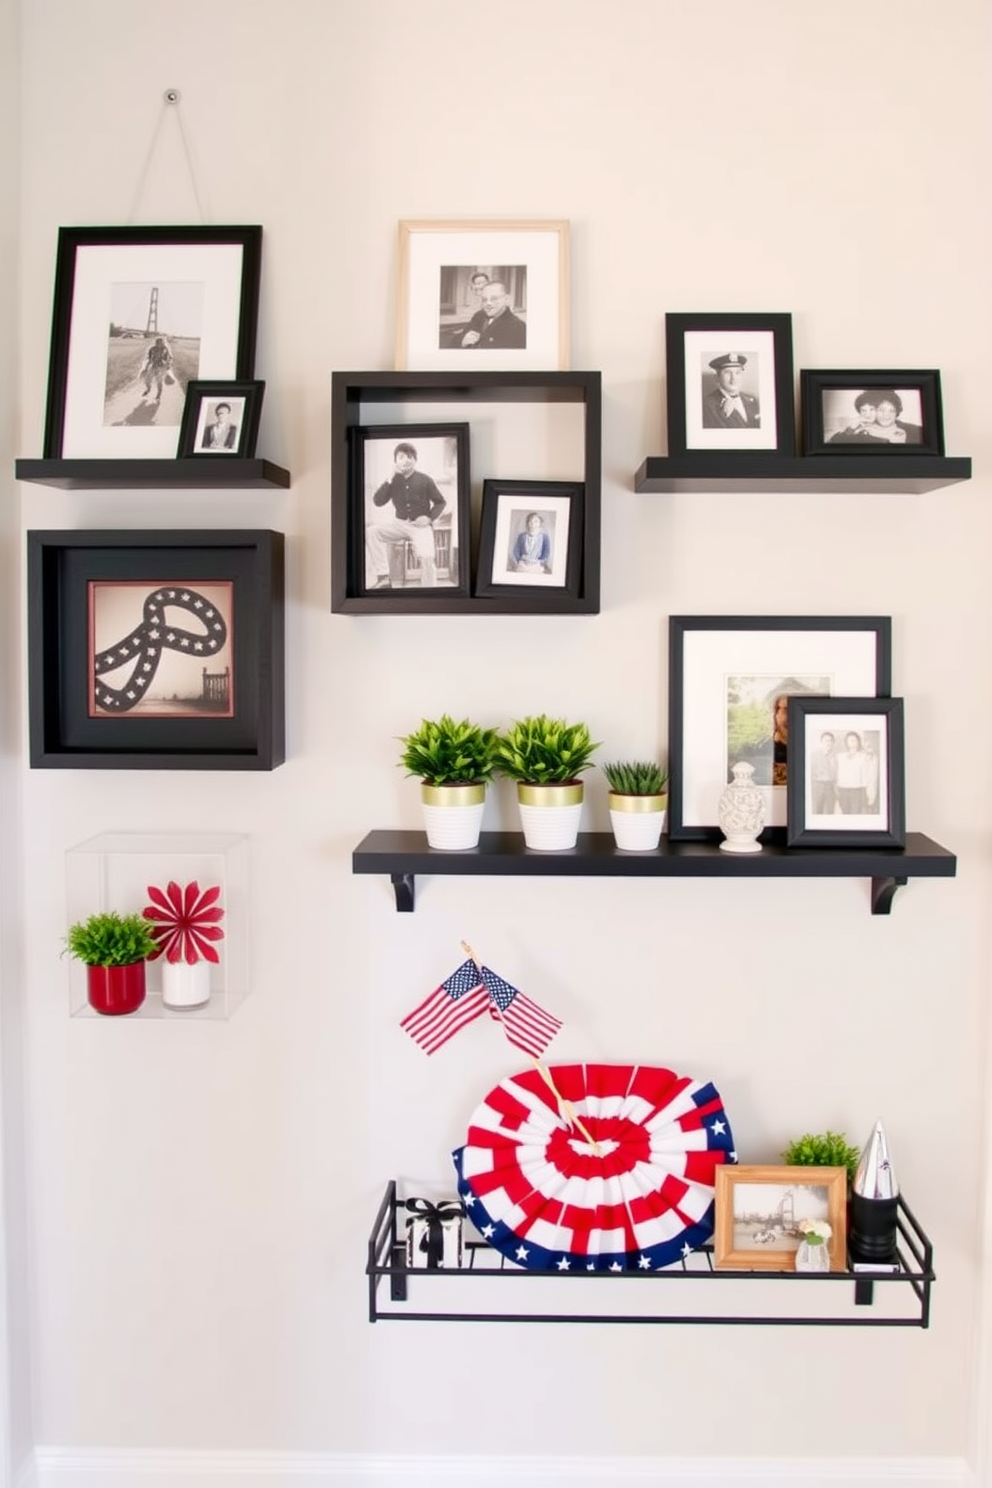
(881, 780)
(202, 400)
(428, 250)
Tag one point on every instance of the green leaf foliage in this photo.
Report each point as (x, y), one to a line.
(443, 752)
(111, 939)
(636, 778)
(544, 751)
(823, 1150)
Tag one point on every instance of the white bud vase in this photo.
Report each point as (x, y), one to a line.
(813, 1257)
(185, 986)
(741, 811)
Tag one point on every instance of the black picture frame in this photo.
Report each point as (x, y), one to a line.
(875, 777)
(837, 413)
(696, 421)
(80, 581)
(383, 560)
(720, 663)
(200, 434)
(95, 406)
(555, 567)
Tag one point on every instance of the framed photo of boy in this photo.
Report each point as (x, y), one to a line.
(408, 511)
(531, 536)
(760, 1211)
(730, 383)
(139, 313)
(871, 413)
(482, 295)
(846, 783)
(220, 418)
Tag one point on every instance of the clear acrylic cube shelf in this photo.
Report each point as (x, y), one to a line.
(112, 871)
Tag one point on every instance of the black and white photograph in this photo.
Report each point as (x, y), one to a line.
(487, 294)
(415, 508)
(730, 383)
(221, 418)
(763, 1211)
(161, 650)
(849, 786)
(482, 307)
(153, 351)
(768, 1214)
(872, 413)
(530, 536)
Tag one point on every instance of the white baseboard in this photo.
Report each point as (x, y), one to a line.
(58, 1467)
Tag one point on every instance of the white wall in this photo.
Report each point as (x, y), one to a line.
(199, 1196)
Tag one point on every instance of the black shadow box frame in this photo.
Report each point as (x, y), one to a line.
(503, 501)
(62, 567)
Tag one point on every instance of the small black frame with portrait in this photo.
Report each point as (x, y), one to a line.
(531, 538)
(391, 561)
(871, 413)
(852, 796)
(756, 350)
(195, 617)
(220, 418)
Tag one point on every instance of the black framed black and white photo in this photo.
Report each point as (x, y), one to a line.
(530, 536)
(139, 313)
(871, 413)
(221, 419)
(730, 383)
(730, 681)
(156, 649)
(409, 510)
(847, 772)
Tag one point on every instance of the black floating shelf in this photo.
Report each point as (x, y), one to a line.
(402, 855)
(750, 471)
(812, 1297)
(205, 474)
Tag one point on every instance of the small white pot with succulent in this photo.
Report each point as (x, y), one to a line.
(638, 800)
(455, 763)
(814, 1252)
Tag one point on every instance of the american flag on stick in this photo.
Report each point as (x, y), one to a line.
(464, 996)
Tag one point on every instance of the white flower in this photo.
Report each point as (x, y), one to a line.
(815, 1230)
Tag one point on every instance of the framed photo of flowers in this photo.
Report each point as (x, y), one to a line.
(763, 1214)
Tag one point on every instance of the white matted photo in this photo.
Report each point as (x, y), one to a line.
(531, 545)
(848, 789)
(730, 390)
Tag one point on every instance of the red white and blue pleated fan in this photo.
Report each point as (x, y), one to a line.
(598, 1167)
(184, 921)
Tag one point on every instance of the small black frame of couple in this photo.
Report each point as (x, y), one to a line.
(220, 418)
(846, 783)
(731, 390)
(410, 526)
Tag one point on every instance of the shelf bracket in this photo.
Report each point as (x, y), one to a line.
(864, 1292)
(883, 892)
(403, 888)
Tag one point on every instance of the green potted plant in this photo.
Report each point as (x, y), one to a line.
(113, 948)
(823, 1150)
(545, 756)
(638, 799)
(454, 762)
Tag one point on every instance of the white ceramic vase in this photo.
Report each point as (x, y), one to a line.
(637, 821)
(813, 1257)
(185, 985)
(550, 814)
(741, 811)
(453, 815)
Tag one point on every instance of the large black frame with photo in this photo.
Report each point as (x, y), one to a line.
(877, 776)
(229, 260)
(384, 564)
(700, 348)
(67, 728)
(504, 567)
(871, 413)
(711, 656)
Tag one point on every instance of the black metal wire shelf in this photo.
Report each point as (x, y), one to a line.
(389, 1274)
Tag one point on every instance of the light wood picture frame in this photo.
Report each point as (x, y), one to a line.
(482, 295)
(758, 1209)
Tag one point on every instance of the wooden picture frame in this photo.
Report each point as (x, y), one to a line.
(208, 432)
(482, 295)
(758, 1208)
(755, 411)
(847, 773)
(531, 538)
(872, 413)
(156, 650)
(122, 293)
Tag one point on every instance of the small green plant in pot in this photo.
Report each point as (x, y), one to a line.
(113, 948)
(823, 1150)
(454, 762)
(545, 756)
(638, 800)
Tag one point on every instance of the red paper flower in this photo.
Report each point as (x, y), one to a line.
(185, 922)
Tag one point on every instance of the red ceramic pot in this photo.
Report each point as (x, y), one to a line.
(116, 989)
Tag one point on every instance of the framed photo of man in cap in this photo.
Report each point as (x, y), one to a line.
(730, 383)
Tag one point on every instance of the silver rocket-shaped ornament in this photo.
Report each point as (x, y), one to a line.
(875, 1177)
